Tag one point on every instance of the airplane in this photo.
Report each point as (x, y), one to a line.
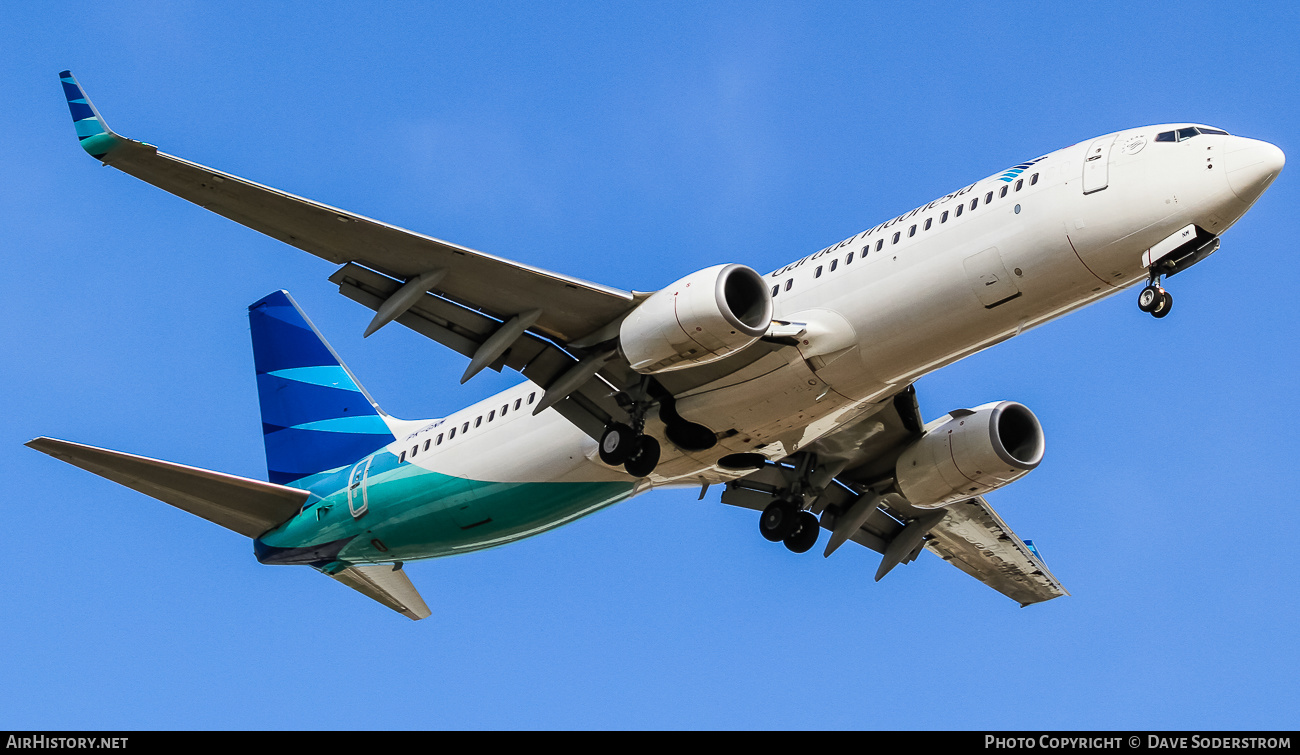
(792, 390)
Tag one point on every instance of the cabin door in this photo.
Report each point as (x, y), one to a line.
(1096, 165)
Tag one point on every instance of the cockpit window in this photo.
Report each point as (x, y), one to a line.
(1183, 134)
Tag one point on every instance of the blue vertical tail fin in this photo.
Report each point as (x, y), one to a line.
(315, 416)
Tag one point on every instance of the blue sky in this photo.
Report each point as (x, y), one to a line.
(632, 144)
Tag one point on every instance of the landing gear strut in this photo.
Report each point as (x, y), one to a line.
(628, 445)
(1155, 299)
(785, 520)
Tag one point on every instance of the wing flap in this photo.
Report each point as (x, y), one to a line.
(249, 507)
(388, 586)
(590, 407)
(974, 538)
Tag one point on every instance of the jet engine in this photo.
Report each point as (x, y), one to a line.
(701, 318)
(972, 452)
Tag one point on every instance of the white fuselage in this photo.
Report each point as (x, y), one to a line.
(902, 299)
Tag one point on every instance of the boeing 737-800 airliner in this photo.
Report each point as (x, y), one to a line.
(792, 390)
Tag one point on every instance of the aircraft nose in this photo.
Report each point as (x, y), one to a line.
(1252, 165)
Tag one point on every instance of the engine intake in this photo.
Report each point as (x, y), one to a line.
(973, 452)
(701, 318)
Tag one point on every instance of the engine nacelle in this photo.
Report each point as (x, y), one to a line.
(973, 452)
(699, 319)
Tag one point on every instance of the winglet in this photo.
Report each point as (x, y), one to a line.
(95, 135)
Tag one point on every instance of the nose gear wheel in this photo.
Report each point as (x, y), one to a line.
(1155, 300)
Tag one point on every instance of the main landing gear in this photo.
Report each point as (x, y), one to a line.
(636, 451)
(628, 444)
(1155, 299)
(790, 517)
(782, 521)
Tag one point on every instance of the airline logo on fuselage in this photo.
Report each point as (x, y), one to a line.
(1011, 173)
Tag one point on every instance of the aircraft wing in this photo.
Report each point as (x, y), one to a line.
(973, 538)
(969, 534)
(569, 308)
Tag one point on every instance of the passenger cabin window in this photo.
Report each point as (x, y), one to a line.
(464, 428)
(414, 448)
(865, 249)
(848, 258)
(788, 284)
(438, 442)
(957, 213)
(1033, 179)
(880, 244)
(503, 409)
(834, 264)
(928, 222)
(451, 434)
(944, 217)
(1019, 182)
(1003, 193)
(911, 231)
(530, 396)
(975, 203)
(492, 415)
(988, 197)
(427, 443)
(478, 420)
(818, 273)
(518, 401)
(775, 289)
(896, 235)
(401, 458)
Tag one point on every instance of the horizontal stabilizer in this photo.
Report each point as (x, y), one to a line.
(249, 507)
(387, 585)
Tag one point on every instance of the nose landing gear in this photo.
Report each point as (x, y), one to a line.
(1155, 299)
